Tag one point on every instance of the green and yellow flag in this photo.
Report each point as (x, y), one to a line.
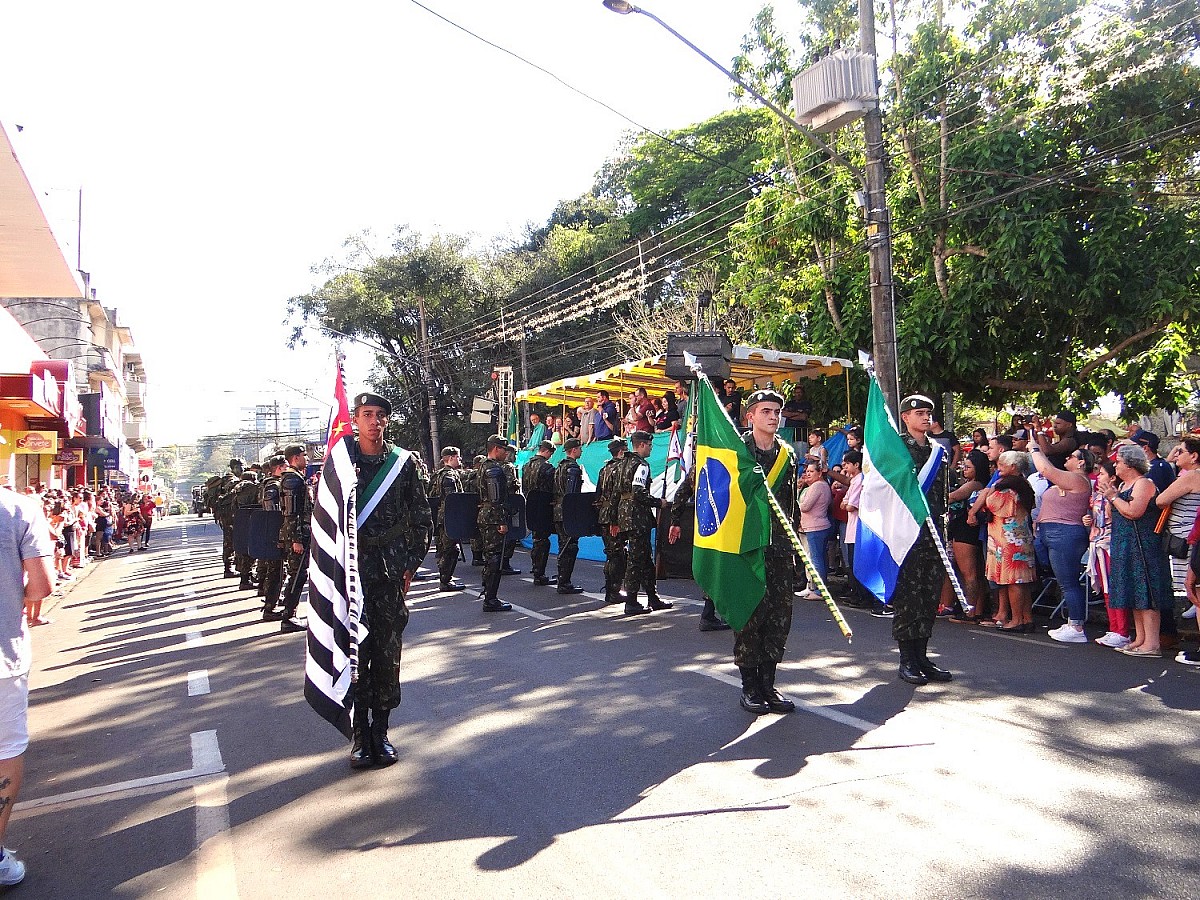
(733, 522)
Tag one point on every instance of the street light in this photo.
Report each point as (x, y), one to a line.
(879, 237)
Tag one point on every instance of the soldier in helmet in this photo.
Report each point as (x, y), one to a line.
(222, 500)
(497, 482)
(446, 480)
(294, 534)
(510, 546)
(538, 476)
(636, 513)
(270, 571)
(607, 495)
(568, 479)
(245, 498)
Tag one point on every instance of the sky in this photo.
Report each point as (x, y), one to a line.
(224, 149)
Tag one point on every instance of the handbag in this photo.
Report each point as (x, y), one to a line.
(1176, 546)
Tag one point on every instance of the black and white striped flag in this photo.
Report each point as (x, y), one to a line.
(334, 590)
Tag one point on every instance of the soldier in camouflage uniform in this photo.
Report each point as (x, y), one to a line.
(538, 475)
(294, 534)
(246, 497)
(568, 479)
(391, 545)
(270, 571)
(510, 546)
(919, 581)
(470, 480)
(607, 495)
(758, 648)
(496, 482)
(221, 499)
(681, 506)
(446, 480)
(636, 513)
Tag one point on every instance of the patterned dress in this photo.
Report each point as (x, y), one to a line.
(1140, 577)
(1010, 558)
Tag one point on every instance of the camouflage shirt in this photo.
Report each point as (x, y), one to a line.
(936, 495)
(635, 507)
(395, 536)
(784, 483)
(606, 491)
(445, 480)
(562, 477)
(297, 507)
(538, 475)
(495, 513)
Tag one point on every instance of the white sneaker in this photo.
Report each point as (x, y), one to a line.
(12, 870)
(1190, 612)
(1067, 634)
(1114, 640)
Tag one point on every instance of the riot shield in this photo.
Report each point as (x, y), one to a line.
(517, 530)
(241, 531)
(461, 511)
(580, 516)
(539, 512)
(263, 538)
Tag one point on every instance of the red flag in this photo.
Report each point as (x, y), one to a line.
(339, 415)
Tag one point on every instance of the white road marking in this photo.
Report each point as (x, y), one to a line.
(206, 762)
(214, 850)
(194, 639)
(832, 715)
(198, 683)
(533, 615)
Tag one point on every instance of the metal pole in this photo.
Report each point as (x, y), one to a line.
(427, 381)
(879, 229)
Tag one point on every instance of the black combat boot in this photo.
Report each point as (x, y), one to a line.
(360, 748)
(494, 604)
(775, 700)
(910, 666)
(542, 580)
(930, 670)
(653, 601)
(245, 584)
(752, 696)
(568, 588)
(710, 620)
(229, 573)
(271, 614)
(385, 753)
(452, 584)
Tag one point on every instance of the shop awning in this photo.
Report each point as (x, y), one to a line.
(749, 366)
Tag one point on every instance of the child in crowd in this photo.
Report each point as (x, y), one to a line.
(1099, 520)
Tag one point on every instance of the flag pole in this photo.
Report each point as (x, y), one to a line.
(781, 516)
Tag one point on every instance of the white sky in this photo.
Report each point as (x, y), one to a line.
(225, 148)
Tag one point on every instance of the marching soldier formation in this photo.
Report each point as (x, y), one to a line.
(394, 531)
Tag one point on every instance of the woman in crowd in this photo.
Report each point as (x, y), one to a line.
(964, 538)
(817, 449)
(1060, 526)
(1139, 579)
(1099, 521)
(815, 498)
(146, 508)
(131, 513)
(667, 413)
(979, 438)
(1182, 498)
(1010, 558)
(104, 524)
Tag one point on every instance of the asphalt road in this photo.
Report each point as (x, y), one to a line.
(565, 751)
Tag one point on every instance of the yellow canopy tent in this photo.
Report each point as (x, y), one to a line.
(749, 366)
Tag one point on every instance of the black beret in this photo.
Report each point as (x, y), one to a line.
(497, 440)
(368, 399)
(641, 437)
(915, 401)
(547, 446)
(449, 451)
(293, 450)
(615, 446)
(572, 443)
(762, 396)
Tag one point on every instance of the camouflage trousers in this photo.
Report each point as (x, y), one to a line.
(918, 591)
(227, 544)
(764, 638)
(447, 555)
(270, 574)
(244, 563)
(568, 552)
(539, 555)
(615, 561)
(385, 614)
(494, 547)
(292, 590)
(639, 571)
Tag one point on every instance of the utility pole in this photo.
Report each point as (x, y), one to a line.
(524, 384)
(427, 381)
(879, 229)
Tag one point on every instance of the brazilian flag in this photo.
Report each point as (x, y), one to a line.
(733, 522)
